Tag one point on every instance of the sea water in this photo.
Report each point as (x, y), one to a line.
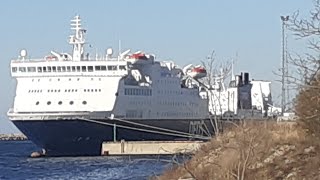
(15, 163)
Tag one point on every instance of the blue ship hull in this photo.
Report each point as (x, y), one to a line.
(84, 138)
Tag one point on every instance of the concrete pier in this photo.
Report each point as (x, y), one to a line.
(149, 147)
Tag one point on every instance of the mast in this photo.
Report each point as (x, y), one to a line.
(77, 40)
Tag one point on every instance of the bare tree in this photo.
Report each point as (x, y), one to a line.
(307, 68)
(215, 71)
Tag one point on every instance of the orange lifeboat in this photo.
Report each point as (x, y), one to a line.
(138, 56)
(198, 72)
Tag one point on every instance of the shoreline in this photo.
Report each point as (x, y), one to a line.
(13, 137)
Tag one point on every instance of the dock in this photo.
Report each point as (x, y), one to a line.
(149, 147)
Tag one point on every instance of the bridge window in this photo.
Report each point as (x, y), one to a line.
(73, 69)
(68, 68)
(112, 68)
(103, 68)
(22, 69)
(63, 69)
(83, 68)
(90, 68)
(14, 69)
(59, 69)
(97, 68)
(54, 69)
(78, 68)
(31, 69)
(122, 68)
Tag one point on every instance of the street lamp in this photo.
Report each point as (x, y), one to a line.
(284, 19)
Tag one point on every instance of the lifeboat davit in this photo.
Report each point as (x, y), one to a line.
(198, 72)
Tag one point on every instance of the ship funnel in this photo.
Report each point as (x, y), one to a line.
(246, 78)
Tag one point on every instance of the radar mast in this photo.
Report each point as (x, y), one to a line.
(77, 40)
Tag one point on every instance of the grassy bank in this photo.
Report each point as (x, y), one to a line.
(254, 150)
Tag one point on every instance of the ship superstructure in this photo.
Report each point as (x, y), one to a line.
(243, 98)
(68, 104)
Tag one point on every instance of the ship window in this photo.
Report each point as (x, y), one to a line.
(103, 68)
(84, 68)
(84, 102)
(49, 69)
(63, 69)
(59, 69)
(90, 68)
(97, 68)
(84, 90)
(54, 68)
(39, 69)
(14, 69)
(73, 69)
(68, 68)
(99, 90)
(122, 68)
(60, 102)
(22, 69)
(112, 68)
(78, 68)
(71, 102)
(37, 103)
(49, 102)
(31, 69)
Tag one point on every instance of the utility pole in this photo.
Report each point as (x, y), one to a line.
(284, 19)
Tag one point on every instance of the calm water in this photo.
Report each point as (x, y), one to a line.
(16, 164)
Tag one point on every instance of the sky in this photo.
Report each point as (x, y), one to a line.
(184, 31)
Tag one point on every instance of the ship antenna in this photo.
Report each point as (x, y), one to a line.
(77, 40)
(119, 48)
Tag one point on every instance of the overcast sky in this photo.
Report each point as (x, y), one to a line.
(183, 31)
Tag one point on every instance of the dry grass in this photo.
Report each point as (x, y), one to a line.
(254, 150)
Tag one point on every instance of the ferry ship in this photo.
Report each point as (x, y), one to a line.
(69, 104)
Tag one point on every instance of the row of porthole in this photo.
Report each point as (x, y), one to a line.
(78, 79)
(66, 90)
(60, 103)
